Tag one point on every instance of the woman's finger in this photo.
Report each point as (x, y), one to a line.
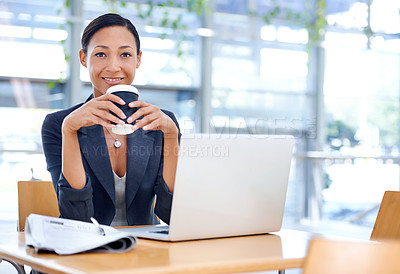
(110, 106)
(143, 111)
(154, 125)
(107, 116)
(90, 113)
(138, 104)
(110, 97)
(145, 121)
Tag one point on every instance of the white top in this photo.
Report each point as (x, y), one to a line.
(120, 201)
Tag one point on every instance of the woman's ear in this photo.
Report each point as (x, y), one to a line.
(83, 58)
(139, 59)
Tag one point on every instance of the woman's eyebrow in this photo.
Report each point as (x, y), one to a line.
(124, 47)
(101, 46)
(106, 47)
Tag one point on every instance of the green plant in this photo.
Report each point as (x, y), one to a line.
(316, 24)
(313, 19)
(171, 22)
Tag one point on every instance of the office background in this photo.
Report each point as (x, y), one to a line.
(326, 72)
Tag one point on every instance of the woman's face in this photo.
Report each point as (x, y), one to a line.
(111, 58)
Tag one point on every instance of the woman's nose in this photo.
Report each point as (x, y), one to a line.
(113, 64)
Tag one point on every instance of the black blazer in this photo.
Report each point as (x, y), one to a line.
(143, 179)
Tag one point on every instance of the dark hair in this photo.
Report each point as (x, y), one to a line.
(108, 20)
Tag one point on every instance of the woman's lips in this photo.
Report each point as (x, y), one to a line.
(112, 80)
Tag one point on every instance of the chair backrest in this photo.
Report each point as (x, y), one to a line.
(36, 197)
(387, 223)
(332, 257)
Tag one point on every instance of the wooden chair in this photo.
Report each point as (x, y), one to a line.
(387, 223)
(36, 197)
(332, 257)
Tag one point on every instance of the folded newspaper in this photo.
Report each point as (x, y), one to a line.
(64, 236)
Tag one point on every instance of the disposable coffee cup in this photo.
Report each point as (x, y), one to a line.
(128, 94)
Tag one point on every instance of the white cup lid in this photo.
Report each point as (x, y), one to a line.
(128, 88)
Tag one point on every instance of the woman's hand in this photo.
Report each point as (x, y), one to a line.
(153, 119)
(96, 111)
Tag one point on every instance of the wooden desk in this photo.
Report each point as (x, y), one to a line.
(283, 250)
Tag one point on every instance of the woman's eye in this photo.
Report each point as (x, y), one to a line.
(100, 54)
(126, 54)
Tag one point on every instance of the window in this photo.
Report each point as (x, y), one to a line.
(361, 97)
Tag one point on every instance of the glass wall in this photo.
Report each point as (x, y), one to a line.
(361, 97)
(32, 60)
(260, 83)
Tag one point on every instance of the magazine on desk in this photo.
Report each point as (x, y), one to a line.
(64, 236)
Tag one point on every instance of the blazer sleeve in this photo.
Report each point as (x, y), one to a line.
(164, 196)
(73, 203)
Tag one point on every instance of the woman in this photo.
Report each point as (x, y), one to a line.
(92, 175)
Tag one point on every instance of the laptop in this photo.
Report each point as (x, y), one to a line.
(226, 185)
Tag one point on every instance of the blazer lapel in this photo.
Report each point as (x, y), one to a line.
(94, 149)
(140, 148)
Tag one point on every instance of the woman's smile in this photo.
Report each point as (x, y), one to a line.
(113, 81)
